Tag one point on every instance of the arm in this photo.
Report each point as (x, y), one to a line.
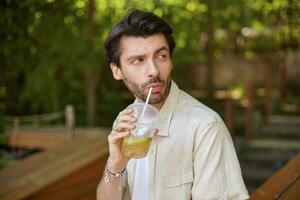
(217, 174)
(109, 186)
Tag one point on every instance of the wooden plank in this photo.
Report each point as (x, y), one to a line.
(285, 119)
(260, 174)
(37, 140)
(270, 156)
(26, 178)
(55, 170)
(283, 130)
(45, 173)
(80, 185)
(274, 144)
(285, 184)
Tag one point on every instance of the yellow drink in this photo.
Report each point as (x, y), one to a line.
(136, 147)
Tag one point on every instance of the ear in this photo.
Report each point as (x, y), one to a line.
(117, 73)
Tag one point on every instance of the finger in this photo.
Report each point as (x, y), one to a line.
(127, 118)
(126, 111)
(115, 137)
(125, 125)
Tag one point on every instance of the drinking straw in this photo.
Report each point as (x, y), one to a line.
(145, 106)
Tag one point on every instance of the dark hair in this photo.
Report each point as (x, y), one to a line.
(136, 23)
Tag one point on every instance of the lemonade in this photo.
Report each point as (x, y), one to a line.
(137, 144)
(136, 147)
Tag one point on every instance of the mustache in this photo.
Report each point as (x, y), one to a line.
(153, 80)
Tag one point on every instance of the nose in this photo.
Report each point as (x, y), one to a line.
(152, 70)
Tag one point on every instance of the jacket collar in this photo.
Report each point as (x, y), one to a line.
(167, 111)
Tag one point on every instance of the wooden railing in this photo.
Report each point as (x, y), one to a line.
(283, 185)
(16, 122)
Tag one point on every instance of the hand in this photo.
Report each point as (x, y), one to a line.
(125, 123)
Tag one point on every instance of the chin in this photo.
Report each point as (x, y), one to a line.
(156, 100)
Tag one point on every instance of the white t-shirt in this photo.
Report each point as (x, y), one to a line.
(141, 180)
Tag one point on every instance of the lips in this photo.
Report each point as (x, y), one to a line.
(156, 87)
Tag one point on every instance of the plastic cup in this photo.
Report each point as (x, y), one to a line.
(137, 145)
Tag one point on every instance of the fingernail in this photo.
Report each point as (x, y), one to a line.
(133, 119)
(130, 110)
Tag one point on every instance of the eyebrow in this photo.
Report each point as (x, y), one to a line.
(161, 48)
(143, 55)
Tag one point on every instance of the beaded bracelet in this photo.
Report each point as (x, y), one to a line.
(109, 174)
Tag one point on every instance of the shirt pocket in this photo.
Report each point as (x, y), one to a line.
(177, 186)
(177, 180)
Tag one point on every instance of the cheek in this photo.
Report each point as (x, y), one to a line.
(134, 77)
(166, 69)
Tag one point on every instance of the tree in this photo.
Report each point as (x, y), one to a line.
(51, 52)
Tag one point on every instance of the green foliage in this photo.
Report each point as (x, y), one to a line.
(45, 46)
(3, 134)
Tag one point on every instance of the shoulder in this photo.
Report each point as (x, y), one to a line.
(196, 111)
(199, 121)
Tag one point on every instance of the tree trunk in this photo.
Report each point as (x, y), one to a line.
(249, 110)
(91, 74)
(268, 91)
(210, 52)
(91, 82)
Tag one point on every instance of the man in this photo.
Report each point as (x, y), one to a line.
(192, 155)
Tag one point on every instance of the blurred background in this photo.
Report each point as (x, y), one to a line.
(240, 58)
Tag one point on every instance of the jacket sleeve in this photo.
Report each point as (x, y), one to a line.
(217, 174)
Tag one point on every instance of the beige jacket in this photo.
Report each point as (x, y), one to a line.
(192, 156)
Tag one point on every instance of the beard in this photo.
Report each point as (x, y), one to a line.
(138, 90)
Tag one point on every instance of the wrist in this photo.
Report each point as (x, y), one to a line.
(108, 175)
(115, 166)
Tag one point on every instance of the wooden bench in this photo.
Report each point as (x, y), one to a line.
(71, 170)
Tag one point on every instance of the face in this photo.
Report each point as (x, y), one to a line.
(145, 63)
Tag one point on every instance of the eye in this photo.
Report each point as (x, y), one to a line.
(162, 57)
(137, 61)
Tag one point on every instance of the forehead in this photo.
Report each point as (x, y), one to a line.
(139, 45)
